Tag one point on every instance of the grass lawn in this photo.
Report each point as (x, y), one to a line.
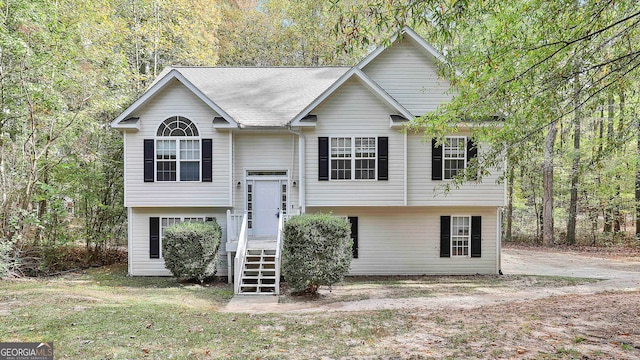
(103, 314)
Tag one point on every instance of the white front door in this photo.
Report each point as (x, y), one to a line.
(266, 208)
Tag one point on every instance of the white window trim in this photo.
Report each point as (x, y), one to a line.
(181, 218)
(451, 235)
(353, 158)
(444, 158)
(177, 160)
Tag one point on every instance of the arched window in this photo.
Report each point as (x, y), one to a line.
(177, 150)
(177, 126)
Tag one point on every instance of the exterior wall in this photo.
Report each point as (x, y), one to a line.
(354, 111)
(139, 262)
(406, 241)
(264, 150)
(422, 191)
(176, 100)
(409, 75)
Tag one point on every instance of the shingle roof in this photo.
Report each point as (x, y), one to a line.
(257, 97)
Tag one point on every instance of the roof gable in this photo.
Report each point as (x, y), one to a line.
(411, 35)
(122, 121)
(355, 72)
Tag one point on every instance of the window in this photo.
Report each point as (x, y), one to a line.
(460, 235)
(357, 153)
(177, 150)
(454, 156)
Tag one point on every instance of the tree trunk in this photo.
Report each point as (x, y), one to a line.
(547, 184)
(510, 177)
(609, 211)
(637, 178)
(575, 167)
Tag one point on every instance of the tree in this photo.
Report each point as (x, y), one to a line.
(523, 58)
(575, 167)
(281, 33)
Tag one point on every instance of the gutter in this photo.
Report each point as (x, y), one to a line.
(301, 169)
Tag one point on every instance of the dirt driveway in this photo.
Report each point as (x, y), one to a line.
(522, 318)
(535, 262)
(617, 274)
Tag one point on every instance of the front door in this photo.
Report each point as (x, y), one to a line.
(266, 208)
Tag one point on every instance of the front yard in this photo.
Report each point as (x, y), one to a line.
(104, 314)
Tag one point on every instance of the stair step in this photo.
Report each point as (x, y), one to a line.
(259, 273)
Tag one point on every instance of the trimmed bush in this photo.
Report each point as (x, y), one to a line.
(190, 249)
(316, 251)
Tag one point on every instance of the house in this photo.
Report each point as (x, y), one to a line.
(252, 146)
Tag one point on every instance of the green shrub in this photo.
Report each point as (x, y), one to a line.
(316, 251)
(190, 250)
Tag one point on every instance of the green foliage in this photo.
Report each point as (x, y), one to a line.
(190, 249)
(8, 260)
(282, 33)
(316, 251)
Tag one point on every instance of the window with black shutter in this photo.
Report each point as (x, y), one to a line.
(154, 237)
(323, 158)
(436, 161)
(472, 153)
(476, 236)
(207, 160)
(149, 155)
(354, 235)
(383, 158)
(445, 236)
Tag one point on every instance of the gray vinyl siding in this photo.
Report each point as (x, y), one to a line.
(264, 150)
(410, 76)
(353, 110)
(406, 241)
(422, 191)
(139, 262)
(176, 100)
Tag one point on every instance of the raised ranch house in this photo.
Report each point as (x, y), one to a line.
(253, 146)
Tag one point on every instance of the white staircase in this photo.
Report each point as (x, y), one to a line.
(256, 264)
(259, 274)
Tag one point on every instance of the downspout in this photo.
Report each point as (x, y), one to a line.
(406, 175)
(301, 168)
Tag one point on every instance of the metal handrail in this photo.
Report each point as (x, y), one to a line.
(240, 255)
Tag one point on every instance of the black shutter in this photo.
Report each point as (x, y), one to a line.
(472, 153)
(207, 156)
(154, 237)
(476, 236)
(323, 158)
(354, 235)
(148, 160)
(383, 158)
(445, 236)
(436, 161)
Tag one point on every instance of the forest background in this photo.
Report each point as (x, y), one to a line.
(560, 76)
